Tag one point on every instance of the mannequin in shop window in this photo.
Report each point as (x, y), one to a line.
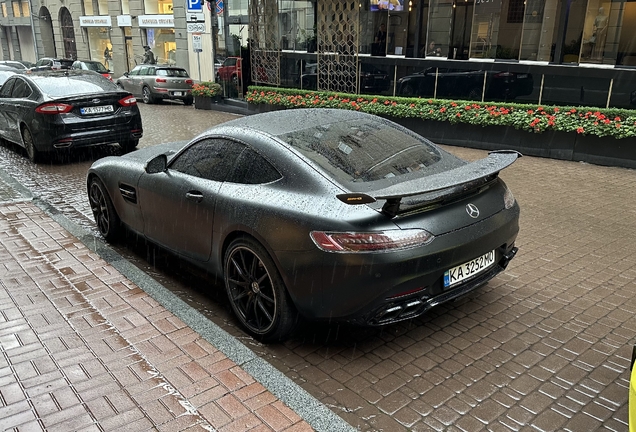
(599, 34)
(108, 56)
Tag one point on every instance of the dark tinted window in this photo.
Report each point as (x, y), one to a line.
(5, 90)
(73, 85)
(230, 62)
(20, 90)
(172, 72)
(252, 168)
(210, 159)
(363, 150)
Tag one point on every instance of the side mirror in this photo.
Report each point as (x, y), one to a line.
(125, 74)
(157, 164)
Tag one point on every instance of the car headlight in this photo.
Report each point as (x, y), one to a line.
(509, 198)
(380, 241)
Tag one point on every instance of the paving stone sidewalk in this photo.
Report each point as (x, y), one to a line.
(82, 347)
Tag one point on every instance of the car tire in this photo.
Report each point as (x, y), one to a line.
(188, 101)
(29, 145)
(146, 96)
(256, 291)
(106, 218)
(130, 145)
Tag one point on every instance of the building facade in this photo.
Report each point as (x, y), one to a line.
(571, 52)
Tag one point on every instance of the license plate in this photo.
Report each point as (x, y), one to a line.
(469, 269)
(97, 109)
(522, 76)
(178, 93)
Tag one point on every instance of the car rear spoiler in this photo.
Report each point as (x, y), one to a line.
(474, 173)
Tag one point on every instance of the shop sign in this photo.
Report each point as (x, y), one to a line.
(95, 21)
(155, 20)
(124, 21)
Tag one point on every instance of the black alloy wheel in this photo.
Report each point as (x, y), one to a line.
(27, 140)
(146, 96)
(106, 218)
(256, 291)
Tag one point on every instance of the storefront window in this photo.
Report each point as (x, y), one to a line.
(373, 29)
(25, 9)
(627, 41)
(440, 25)
(164, 45)
(419, 14)
(485, 29)
(103, 7)
(159, 7)
(462, 18)
(602, 32)
(296, 24)
(98, 40)
(573, 32)
(510, 30)
(540, 23)
(398, 28)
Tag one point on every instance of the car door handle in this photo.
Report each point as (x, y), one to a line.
(194, 196)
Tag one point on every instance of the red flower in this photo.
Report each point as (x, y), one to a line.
(580, 130)
(412, 105)
(617, 119)
(394, 103)
(453, 104)
(442, 109)
(530, 112)
(556, 109)
(458, 115)
(386, 102)
(618, 125)
(467, 107)
(606, 121)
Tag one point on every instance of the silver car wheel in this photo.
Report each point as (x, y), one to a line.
(146, 96)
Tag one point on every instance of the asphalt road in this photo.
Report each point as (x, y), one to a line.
(547, 344)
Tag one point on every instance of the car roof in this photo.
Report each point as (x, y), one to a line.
(61, 73)
(286, 121)
(6, 67)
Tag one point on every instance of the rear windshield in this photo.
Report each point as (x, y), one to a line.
(172, 72)
(56, 86)
(363, 151)
(96, 66)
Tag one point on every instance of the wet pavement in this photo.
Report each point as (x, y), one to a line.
(546, 344)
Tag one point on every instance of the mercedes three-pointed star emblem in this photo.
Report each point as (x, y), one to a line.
(472, 210)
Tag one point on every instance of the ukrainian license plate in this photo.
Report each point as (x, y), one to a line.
(178, 93)
(97, 109)
(469, 269)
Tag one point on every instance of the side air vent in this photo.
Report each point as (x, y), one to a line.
(129, 193)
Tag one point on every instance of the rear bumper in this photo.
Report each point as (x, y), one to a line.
(172, 94)
(378, 289)
(67, 135)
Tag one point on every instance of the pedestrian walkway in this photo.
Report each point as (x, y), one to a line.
(85, 348)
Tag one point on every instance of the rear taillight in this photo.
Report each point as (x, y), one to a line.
(128, 101)
(161, 80)
(381, 241)
(189, 81)
(54, 108)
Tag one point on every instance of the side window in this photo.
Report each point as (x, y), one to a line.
(21, 89)
(5, 90)
(133, 72)
(252, 168)
(211, 159)
(143, 71)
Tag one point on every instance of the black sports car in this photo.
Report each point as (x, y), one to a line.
(52, 110)
(333, 214)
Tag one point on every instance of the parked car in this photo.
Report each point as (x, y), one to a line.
(372, 79)
(230, 71)
(6, 72)
(13, 64)
(458, 83)
(52, 110)
(310, 212)
(49, 63)
(158, 82)
(92, 65)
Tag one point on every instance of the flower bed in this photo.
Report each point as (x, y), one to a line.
(617, 123)
(207, 89)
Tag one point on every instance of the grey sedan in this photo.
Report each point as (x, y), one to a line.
(320, 213)
(158, 82)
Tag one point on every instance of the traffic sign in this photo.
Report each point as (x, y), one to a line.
(195, 5)
(197, 43)
(195, 27)
(195, 17)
